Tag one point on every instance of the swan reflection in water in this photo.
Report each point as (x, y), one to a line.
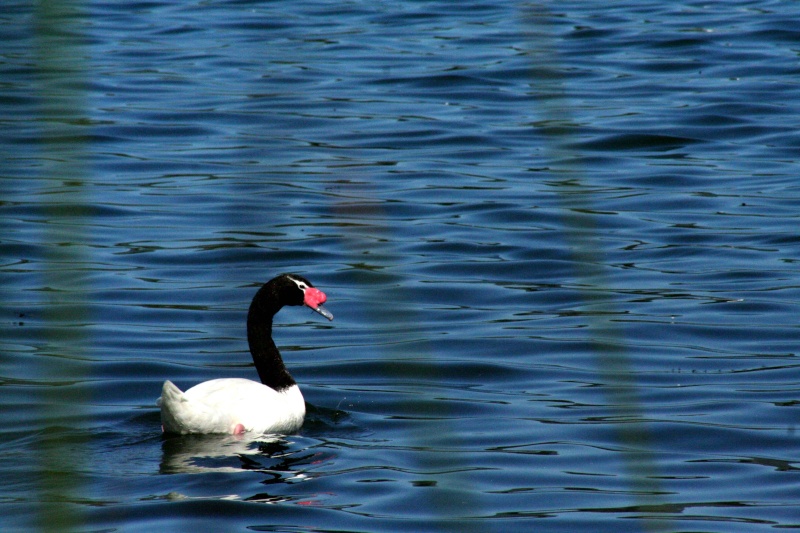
(280, 460)
(276, 455)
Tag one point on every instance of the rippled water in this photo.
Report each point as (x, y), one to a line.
(559, 239)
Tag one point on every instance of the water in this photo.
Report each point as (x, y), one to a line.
(559, 239)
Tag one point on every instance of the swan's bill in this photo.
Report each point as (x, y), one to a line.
(324, 312)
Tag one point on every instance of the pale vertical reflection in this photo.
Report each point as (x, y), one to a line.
(60, 87)
(443, 470)
(583, 237)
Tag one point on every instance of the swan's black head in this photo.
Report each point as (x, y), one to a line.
(292, 289)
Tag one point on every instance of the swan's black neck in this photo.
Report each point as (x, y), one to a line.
(266, 356)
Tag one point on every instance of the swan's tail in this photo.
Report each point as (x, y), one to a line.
(170, 393)
(171, 398)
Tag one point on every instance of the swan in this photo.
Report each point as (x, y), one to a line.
(235, 405)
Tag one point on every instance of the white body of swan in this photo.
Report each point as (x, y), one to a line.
(235, 405)
(231, 405)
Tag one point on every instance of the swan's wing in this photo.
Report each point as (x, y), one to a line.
(185, 413)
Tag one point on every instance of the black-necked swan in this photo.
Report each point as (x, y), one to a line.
(236, 405)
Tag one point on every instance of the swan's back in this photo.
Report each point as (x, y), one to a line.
(231, 405)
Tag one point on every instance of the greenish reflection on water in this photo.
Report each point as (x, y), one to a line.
(60, 82)
(574, 189)
(447, 473)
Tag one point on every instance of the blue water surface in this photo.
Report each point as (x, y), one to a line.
(559, 240)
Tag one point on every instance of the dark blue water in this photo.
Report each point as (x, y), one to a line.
(559, 240)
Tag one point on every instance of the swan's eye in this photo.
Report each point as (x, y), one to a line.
(300, 284)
